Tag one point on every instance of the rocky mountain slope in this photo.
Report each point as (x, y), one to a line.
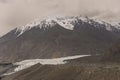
(67, 72)
(57, 37)
(113, 54)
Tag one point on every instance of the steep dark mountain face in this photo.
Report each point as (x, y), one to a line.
(113, 53)
(9, 36)
(57, 38)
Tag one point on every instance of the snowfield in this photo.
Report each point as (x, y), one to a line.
(28, 63)
(56, 61)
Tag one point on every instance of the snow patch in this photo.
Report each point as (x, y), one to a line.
(28, 63)
(109, 28)
(117, 25)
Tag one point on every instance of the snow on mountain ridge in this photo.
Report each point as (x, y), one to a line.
(66, 22)
(49, 22)
(117, 25)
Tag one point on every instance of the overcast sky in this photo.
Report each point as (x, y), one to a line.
(19, 12)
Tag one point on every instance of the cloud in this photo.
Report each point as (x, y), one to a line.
(16, 12)
(3, 1)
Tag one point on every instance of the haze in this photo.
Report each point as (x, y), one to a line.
(19, 12)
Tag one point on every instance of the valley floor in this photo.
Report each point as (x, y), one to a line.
(79, 67)
(83, 71)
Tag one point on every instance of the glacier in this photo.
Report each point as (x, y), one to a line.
(55, 61)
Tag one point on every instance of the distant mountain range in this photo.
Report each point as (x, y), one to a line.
(58, 37)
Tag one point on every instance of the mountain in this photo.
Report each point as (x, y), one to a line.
(57, 37)
(113, 53)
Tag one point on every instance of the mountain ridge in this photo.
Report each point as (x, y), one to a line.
(68, 23)
(53, 41)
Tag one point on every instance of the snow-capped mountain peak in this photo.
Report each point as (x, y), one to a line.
(49, 22)
(67, 23)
